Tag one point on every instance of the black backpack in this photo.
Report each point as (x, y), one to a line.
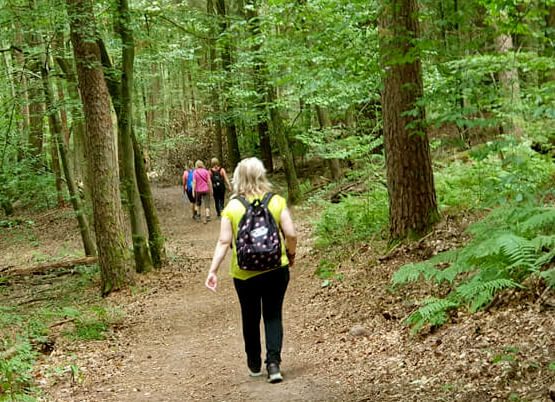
(258, 243)
(217, 179)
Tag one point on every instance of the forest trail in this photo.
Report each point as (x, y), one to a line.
(184, 343)
(171, 339)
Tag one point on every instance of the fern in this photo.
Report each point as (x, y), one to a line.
(413, 272)
(480, 293)
(542, 221)
(433, 312)
(508, 246)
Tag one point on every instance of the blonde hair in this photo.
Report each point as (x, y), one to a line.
(199, 164)
(249, 178)
(214, 162)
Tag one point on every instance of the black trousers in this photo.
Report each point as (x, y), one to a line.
(263, 295)
(219, 200)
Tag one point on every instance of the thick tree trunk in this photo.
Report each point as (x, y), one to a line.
(156, 239)
(58, 138)
(410, 182)
(139, 231)
(113, 246)
(334, 164)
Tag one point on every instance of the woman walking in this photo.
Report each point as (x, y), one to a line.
(219, 182)
(260, 287)
(202, 187)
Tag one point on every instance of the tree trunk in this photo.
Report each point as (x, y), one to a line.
(155, 236)
(325, 124)
(215, 99)
(139, 231)
(58, 138)
(509, 78)
(410, 181)
(156, 239)
(113, 246)
(231, 130)
(80, 166)
(260, 78)
(550, 35)
(293, 190)
(19, 61)
(54, 154)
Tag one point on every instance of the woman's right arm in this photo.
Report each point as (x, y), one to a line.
(226, 234)
(288, 228)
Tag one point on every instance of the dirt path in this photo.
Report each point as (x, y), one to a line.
(177, 341)
(185, 343)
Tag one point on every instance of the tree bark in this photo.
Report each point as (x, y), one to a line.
(293, 190)
(410, 181)
(155, 236)
(113, 246)
(231, 130)
(139, 231)
(215, 98)
(325, 124)
(260, 78)
(59, 139)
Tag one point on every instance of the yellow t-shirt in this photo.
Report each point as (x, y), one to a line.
(234, 211)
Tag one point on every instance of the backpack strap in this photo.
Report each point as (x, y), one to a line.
(243, 201)
(267, 198)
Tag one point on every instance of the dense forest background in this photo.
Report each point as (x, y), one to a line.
(378, 119)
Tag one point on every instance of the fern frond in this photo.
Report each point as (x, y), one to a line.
(542, 241)
(482, 292)
(449, 257)
(450, 273)
(549, 277)
(412, 272)
(542, 221)
(434, 311)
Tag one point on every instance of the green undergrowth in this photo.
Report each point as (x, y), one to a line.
(65, 306)
(505, 177)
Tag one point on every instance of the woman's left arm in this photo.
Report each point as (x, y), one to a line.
(226, 233)
(224, 174)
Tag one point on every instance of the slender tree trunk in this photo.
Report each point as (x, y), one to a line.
(139, 230)
(410, 182)
(59, 140)
(509, 79)
(215, 98)
(231, 129)
(113, 247)
(260, 78)
(80, 167)
(19, 61)
(155, 235)
(325, 124)
(55, 159)
(293, 189)
(550, 35)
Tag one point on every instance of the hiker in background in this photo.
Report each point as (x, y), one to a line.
(219, 182)
(188, 189)
(260, 284)
(202, 188)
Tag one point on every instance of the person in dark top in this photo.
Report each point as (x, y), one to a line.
(219, 182)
